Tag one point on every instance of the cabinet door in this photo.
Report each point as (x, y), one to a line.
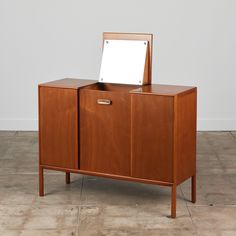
(152, 137)
(105, 132)
(58, 127)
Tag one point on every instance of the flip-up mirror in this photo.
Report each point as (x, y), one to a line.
(124, 61)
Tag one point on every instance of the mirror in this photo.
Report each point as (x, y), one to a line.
(123, 61)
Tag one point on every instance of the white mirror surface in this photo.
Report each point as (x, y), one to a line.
(123, 62)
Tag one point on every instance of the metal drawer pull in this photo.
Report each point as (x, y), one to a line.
(104, 101)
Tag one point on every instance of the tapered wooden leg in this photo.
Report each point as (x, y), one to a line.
(194, 189)
(68, 177)
(173, 201)
(41, 182)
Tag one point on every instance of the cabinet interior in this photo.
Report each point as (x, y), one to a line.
(111, 87)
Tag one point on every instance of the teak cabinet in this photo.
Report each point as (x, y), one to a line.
(136, 133)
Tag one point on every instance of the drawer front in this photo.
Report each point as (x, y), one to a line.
(58, 127)
(152, 137)
(105, 131)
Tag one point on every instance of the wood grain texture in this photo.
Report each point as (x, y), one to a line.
(152, 137)
(68, 83)
(106, 175)
(186, 136)
(173, 201)
(136, 36)
(58, 127)
(67, 177)
(41, 182)
(105, 132)
(112, 87)
(162, 89)
(194, 188)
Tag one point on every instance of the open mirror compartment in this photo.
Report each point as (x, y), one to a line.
(126, 58)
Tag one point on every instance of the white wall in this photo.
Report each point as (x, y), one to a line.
(43, 40)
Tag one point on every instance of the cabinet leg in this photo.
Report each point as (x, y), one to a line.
(194, 188)
(68, 177)
(41, 182)
(173, 201)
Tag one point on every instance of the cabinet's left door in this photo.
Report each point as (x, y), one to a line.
(58, 127)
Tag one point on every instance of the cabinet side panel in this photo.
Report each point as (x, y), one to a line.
(186, 136)
(152, 137)
(58, 127)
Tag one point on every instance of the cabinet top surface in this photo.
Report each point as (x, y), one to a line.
(161, 89)
(68, 83)
(153, 89)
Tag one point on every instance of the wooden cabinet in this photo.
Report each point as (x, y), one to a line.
(144, 133)
(136, 133)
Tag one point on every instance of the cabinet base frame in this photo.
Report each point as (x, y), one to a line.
(127, 178)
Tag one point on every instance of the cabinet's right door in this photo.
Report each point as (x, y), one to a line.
(152, 137)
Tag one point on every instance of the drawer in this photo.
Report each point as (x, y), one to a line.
(105, 129)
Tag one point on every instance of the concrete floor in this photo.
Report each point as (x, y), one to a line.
(98, 206)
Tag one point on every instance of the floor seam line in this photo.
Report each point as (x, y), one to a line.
(190, 215)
